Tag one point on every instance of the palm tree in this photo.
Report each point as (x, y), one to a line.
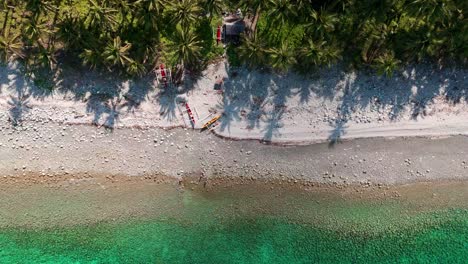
(257, 6)
(117, 54)
(386, 64)
(432, 10)
(322, 23)
(313, 53)
(149, 14)
(281, 11)
(253, 51)
(155, 6)
(5, 7)
(302, 6)
(301, 10)
(45, 58)
(100, 16)
(123, 8)
(185, 12)
(214, 7)
(187, 47)
(38, 7)
(91, 57)
(135, 68)
(317, 53)
(70, 30)
(56, 8)
(10, 47)
(34, 32)
(374, 35)
(282, 58)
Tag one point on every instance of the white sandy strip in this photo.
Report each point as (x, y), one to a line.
(297, 135)
(331, 104)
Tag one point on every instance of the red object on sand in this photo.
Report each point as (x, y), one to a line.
(218, 35)
(163, 74)
(190, 114)
(163, 71)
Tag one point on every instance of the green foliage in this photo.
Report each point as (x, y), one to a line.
(233, 56)
(125, 36)
(253, 51)
(187, 47)
(185, 12)
(382, 34)
(282, 58)
(133, 36)
(116, 53)
(10, 46)
(386, 64)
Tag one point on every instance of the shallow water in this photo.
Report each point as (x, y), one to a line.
(424, 224)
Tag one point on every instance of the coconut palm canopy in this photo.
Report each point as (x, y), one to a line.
(132, 36)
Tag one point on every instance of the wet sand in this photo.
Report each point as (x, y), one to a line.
(119, 199)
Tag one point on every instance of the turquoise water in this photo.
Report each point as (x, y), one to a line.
(329, 231)
(237, 241)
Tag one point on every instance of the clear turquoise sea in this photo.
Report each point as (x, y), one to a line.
(213, 229)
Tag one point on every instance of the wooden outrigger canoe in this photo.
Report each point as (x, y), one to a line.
(211, 122)
(190, 114)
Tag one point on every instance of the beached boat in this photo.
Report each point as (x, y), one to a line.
(211, 122)
(190, 114)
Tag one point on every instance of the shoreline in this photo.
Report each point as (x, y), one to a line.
(341, 128)
(54, 150)
(114, 200)
(131, 173)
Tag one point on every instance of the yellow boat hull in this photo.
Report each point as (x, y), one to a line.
(211, 122)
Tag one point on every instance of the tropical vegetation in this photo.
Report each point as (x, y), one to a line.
(132, 37)
(381, 34)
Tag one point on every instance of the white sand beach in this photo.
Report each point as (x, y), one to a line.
(143, 131)
(330, 104)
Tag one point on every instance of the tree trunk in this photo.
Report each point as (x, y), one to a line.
(255, 21)
(132, 19)
(289, 32)
(7, 14)
(54, 22)
(278, 35)
(124, 18)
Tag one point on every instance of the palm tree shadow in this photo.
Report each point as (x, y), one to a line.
(168, 103)
(18, 107)
(137, 93)
(338, 131)
(230, 113)
(113, 110)
(273, 124)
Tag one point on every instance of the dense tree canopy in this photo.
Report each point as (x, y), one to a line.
(133, 36)
(378, 33)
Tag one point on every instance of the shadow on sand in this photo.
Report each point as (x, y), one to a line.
(259, 98)
(106, 96)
